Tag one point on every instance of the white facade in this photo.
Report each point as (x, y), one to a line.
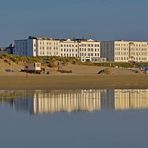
(68, 48)
(89, 50)
(37, 47)
(48, 47)
(123, 51)
(86, 50)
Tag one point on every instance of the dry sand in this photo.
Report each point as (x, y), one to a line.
(83, 77)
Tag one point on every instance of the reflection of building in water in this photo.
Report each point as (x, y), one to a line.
(131, 99)
(23, 104)
(107, 99)
(67, 101)
(82, 100)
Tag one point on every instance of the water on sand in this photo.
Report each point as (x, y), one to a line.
(74, 118)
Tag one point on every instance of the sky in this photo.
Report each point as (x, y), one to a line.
(100, 19)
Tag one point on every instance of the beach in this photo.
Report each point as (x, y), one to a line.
(82, 77)
(73, 81)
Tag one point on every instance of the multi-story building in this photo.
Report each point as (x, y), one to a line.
(85, 50)
(48, 47)
(68, 48)
(124, 51)
(89, 50)
(26, 47)
(37, 47)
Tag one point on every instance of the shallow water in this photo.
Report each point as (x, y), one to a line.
(74, 118)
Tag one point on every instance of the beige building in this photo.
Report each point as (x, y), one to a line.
(124, 51)
(85, 50)
(89, 50)
(47, 47)
(37, 47)
(69, 48)
(131, 99)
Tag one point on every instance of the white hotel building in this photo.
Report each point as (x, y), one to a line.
(123, 51)
(89, 50)
(85, 50)
(69, 48)
(37, 47)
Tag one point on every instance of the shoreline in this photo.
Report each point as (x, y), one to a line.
(56, 82)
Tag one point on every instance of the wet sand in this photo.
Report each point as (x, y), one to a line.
(73, 81)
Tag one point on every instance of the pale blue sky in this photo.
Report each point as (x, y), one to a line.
(103, 19)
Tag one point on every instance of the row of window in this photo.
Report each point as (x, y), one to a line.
(127, 58)
(89, 45)
(89, 54)
(46, 48)
(69, 55)
(81, 45)
(49, 53)
(69, 50)
(134, 45)
(81, 54)
(140, 53)
(89, 49)
(48, 43)
(132, 53)
(133, 49)
(69, 45)
(121, 44)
